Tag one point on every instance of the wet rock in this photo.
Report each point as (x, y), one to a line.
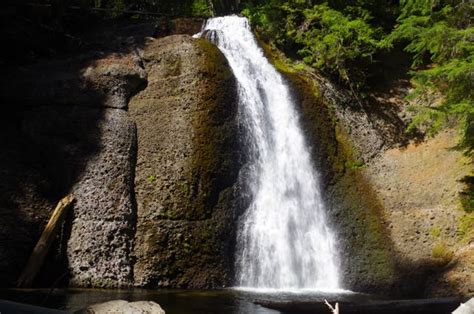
(394, 204)
(391, 205)
(352, 206)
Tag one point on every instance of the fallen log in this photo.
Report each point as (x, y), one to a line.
(418, 306)
(44, 243)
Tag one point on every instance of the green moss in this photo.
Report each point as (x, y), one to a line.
(174, 67)
(151, 178)
(442, 253)
(467, 195)
(465, 229)
(214, 62)
(435, 231)
(167, 214)
(185, 188)
(279, 61)
(299, 66)
(354, 165)
(365, 214)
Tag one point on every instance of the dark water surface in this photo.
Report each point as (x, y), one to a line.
(227, 301)
(172, 301)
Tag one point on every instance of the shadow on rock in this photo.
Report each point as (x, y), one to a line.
(65, 128)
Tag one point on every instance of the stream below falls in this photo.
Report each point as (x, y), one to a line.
(227, 301)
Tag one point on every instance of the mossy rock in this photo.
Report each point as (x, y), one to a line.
(187, 160)
(355, 211)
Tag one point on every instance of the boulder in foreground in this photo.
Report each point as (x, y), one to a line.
(121, 306)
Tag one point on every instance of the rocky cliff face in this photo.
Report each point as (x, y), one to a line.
(70, 131)
(145, 135)
(419, 187)
(67, 130)
(188, 161)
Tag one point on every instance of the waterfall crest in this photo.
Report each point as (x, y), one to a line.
(284, 241)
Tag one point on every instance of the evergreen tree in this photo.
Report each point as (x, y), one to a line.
(440, 36)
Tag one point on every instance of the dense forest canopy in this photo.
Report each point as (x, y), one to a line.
(342, 38)
(345, 39)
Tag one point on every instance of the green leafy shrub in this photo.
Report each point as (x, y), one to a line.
(201, 8)
(337, 43)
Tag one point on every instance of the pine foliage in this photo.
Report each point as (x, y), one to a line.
(342, 38)
(440, 35)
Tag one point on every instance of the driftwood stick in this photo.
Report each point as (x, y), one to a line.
(335, 309)
(44, 243)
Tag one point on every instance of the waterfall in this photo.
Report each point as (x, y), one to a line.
(284, 241)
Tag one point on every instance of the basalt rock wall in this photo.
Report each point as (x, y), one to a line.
(154, 178)
(187, 167)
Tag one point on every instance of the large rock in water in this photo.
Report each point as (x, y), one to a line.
(121, 306)
(188, 161)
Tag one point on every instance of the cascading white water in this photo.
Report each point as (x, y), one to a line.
(284, 241)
